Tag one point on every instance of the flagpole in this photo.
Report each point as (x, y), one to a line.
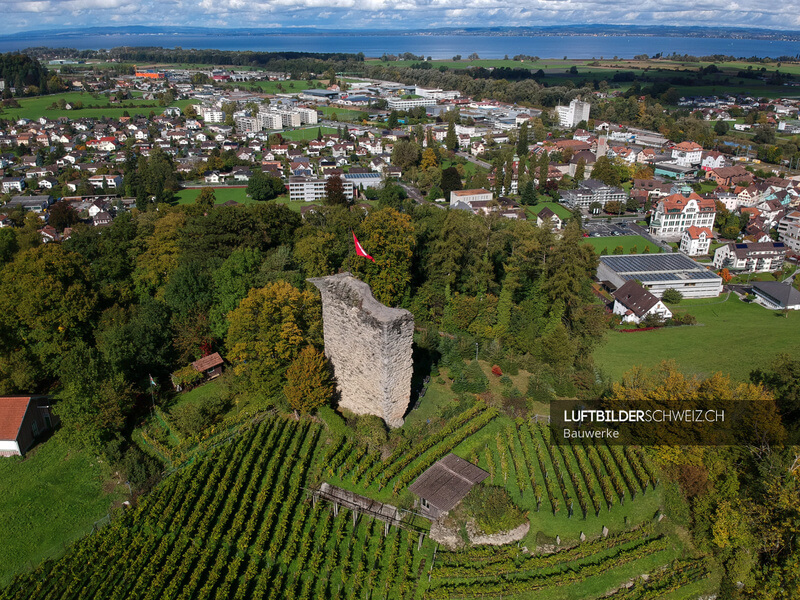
(152, 396)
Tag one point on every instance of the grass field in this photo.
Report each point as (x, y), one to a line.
(722, 341)
(33, 108)
(309, 133)
(342, 114)
(49, 499)
(626, 241)
(226, 194)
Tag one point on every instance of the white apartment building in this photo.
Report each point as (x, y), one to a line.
(247, 124)
(211, 114)
(269, 120)
(570, 116)
(308, 115)
(676, 213)
(309, 189)
(400, 104)
(755, 258)
(290, 118)
(789, 230)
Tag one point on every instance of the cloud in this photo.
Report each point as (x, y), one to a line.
(393, 14)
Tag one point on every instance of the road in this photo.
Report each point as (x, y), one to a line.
(474, 161)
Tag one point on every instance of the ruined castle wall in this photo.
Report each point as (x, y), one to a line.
(369, 346)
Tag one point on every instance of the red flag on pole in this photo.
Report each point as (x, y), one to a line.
(360, 250)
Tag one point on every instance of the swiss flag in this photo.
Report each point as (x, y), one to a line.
(360, 250)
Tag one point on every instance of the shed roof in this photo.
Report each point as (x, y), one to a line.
(447, 481)
(208, 362)
(12, 412)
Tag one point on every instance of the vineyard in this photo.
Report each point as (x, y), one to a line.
(239, 523)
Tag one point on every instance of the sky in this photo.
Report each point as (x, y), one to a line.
(27, 15)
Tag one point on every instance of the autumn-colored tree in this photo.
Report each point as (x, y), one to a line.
(266, 333)
(429, 159)
(389, 237)
(308, 381)
(726, 275)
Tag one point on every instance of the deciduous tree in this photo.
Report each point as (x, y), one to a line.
(308, 381)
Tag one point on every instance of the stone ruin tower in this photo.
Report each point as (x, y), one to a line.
(369, 346)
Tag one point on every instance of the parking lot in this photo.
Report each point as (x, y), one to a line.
(606, 229)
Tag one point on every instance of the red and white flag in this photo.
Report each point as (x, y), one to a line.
(360, 250)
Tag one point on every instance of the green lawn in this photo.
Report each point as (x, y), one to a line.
(722, 341)
(626, 241)
(309, 133)
(49, 499)
(33, 108)
(342, 114)
(225, 194)
(558, 209)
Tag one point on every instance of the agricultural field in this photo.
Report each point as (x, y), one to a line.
(628, 243)
(37, 527)
(727, 327)
(238, 521)
(33, 108)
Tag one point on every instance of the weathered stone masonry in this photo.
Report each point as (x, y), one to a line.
(369, 346)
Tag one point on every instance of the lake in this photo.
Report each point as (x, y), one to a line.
(436, 46)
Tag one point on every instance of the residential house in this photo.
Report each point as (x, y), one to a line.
(12, 184)
(753, 258)
(546, 215)
(634, 303)
(696, 241)
(23, 419)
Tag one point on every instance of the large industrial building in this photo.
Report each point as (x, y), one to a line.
(659, 272)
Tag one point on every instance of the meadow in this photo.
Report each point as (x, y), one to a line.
(51, 497)
(36, 107)
(731, 336)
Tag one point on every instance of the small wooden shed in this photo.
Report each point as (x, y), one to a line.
(445, 484)
(211, 365)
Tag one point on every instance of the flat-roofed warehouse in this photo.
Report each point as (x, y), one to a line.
(658, 272)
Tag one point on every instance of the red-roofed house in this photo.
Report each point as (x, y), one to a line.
(687, 154)
(22, 420)
(696, 241)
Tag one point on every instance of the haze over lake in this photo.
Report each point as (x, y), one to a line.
(437, 46)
